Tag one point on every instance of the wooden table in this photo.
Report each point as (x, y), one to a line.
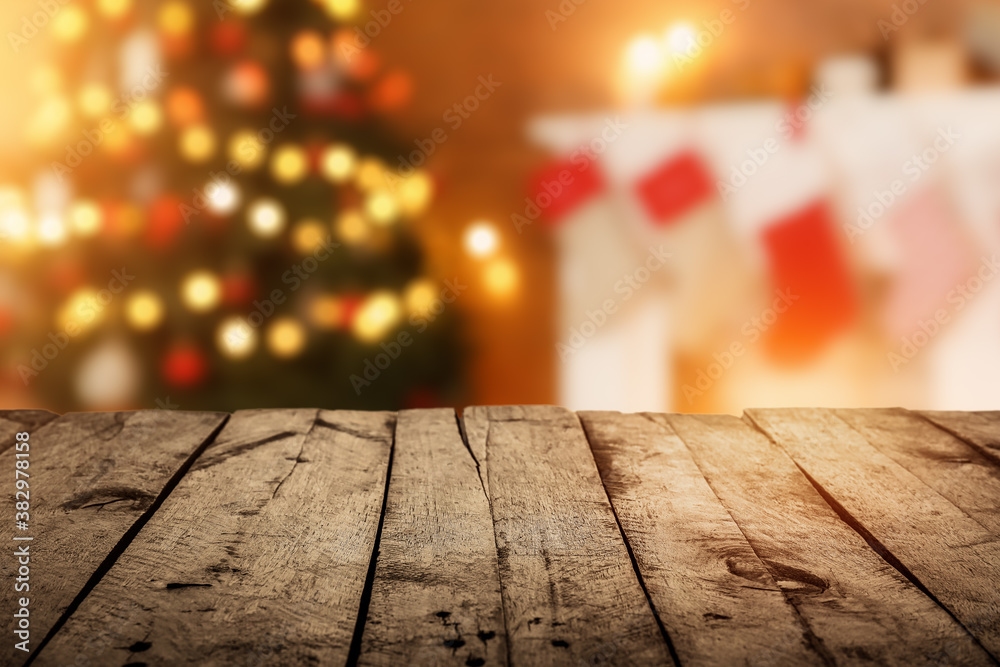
(511, 535)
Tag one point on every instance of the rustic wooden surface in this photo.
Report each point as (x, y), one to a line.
(509, 536)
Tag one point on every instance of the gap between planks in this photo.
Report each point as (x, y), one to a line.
(126, 539)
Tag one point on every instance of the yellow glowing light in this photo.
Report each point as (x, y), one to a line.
(83, 310)
(481, 239)
(352, 227)
(223, 198)
(144, 310)
(146, 117)
(381, 207)
(85, 217)
(248, 7)
(501, 277)
(289, 164)
(308, 49)
(197, 143)
(14, 225)
(644, 57)
(175, 18)
(266, 218)
(326, 312)
(118, 140)
(246, 149)
(45, 79)
(415, 193)
(286, 338)
(94, 99)
(51, 118)
(370, 174)
(201, 291)
(341, 9)
(376, 316)
(70, 23)
(681, 37)
(338, 162)
(51, 230)
(235, 338)
(308, 235)
(114, 9)
(421, 295)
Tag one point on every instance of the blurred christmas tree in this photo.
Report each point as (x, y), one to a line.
(213, 222)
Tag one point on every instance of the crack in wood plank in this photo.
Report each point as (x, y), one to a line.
(126, 539)
(468, 448)
(812, 639)
(857, 526)
(298, 457)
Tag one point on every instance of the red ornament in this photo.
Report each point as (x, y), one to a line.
(184, 367)
(350, 304)
(247, 84)
(229, 38)
(392, 93)
(165, 222)
(238, 289)
(343, 104)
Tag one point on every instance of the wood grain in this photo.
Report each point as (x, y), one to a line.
(569, 591)
(856, 607)
(436, 594)
(979, 429)
(937, 544)
(718, 602)
(956, 470)
(13, 422)
(259, 556)
(92, 477)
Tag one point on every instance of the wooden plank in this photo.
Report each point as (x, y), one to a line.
(569, 591)
(719, 603)
(857, 607)
(92, 477)
(259, 556)
(13, 422)
(918, 530)
(979, 429)
(956, 470)
(436, 594)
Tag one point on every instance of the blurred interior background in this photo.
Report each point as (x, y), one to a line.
(686, 206)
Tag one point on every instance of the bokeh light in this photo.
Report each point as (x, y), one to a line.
(235, 338)
(376, 316)
(144, 310)
(481, 239)
(501, 277)
(289, 164)
(338, 163)
(197, 143)
(286, 338)
(201, 291)
(266, 217)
